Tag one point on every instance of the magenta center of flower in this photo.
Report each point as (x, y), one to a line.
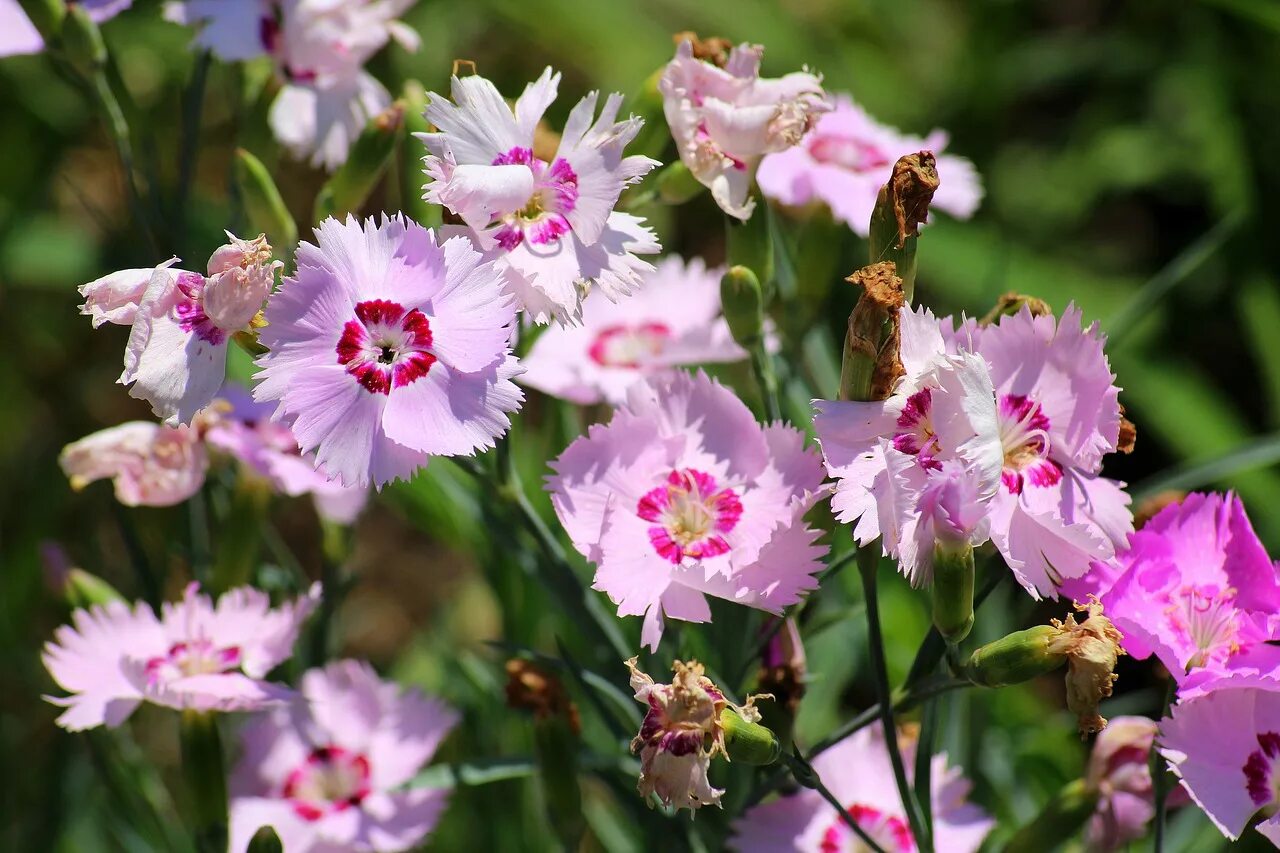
(330, 780)
(385, 346)
(1206, 618)
(629, 346)
(193, 657)
(847, 153)
(914, 435)
(888, 831)
(188, 309)
(690, 516)
(542, 219)
(1260, 777)
(1024, 435)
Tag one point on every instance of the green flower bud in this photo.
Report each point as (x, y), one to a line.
(85, 590)
(265, 840)
(1011, 303)
(1062, 818)
(345, 192)
(749, 244)
(676, 184)
(82, 42)
(1014, 658)
(748, 741)
(743, 306)
(953, 590)
(263, 205)
(46, 16)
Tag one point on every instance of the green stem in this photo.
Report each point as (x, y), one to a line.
(925, 745)
(805, 774)
(206, 777)
(767, 379)
(119, 130)
(192, 111)
(1159, 777)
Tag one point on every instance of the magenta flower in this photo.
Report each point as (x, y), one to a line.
(319, 48)
(1223, 742)
(858, 773)
(387, 348)
(1196, 588)
(1120, 772)
(196, 655)
(674, 320)
(18, 35)
(329, 771)
(551, 224)
(149, 464)
(847, 156)
(925, 461)
(725, 119)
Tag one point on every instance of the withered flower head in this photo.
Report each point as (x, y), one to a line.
(874, 337)
(713, 49)
(1092, 648)
(908, 194)
(534, 689)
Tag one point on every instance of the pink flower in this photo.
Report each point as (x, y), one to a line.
(180, 323)
(848, 156)
(1223, 742)
(329, 771)
(319, 48)
(551, 223)
(1120, 772)
(725, 119)
(268, 448)
(925, 461)
(194, 656)
(18, 35)
(1197, 589)
(683, 495)
(858, 773)
(387, 348)
(150, 465)
(673, 320)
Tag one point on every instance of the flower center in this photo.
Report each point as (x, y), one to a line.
(189, 311)
(194, 657)
(1206, 617)
(847, 153)
(629, 346)
(555, 194)
(915, 435)
(888, 831)
(1024, 435)
(690, 514)
(386, 346)
(329, 780)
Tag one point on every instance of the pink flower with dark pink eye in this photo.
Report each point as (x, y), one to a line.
(1196, 588)
(858, 773)
(387, 348)
(1119, 772)
(1223, 741)
(724, 119)
(18, 35)
(847, 156)
(196, 655)
(683, 495)
(149, 464)
(550, 223)
(672, 321)
(329, 771)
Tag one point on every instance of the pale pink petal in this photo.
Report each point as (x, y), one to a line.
(114, 298)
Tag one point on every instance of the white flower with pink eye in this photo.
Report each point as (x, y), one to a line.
(319, 48)
(684, 495)
(847, 156)
(725, 119)
(550, 223)
(195, 656)
(150, 464)
(674, 320)
(329, 772)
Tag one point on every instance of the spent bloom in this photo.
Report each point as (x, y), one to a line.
(1197, 589)
(387, 348)
(319, 48)
(725, 118)
(674, 320)
(549, 223)
(858, 773)
(149, 464)
(847, 156)
(683, 495)
(1119, 772)
(18, 35)
(180, 322)
(680, 734)
(329, 771)
(196, 655)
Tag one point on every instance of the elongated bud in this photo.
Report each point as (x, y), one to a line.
(263, 205)
(82, 41)
(1014, 658)
(747, 741)
(1061, 818)
(265, 840)
(1011, 303)
(47, 16)
(676, 184)
(743, 307)
(953, 590)
(367, 161)
(83, 589)
(871, 363)
(901, 207)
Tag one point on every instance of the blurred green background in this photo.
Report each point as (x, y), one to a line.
(1128, 155)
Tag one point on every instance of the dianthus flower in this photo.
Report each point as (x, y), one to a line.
(673, 320)
(858, 773)
(847, 156)
(149, 464)
(195, 656)
(319, 48)
(180, 322)
(329, 771)
(549, 223)
(683, 495)
(724, 119)
(1119, 772)
(18, 35)
(387, 348)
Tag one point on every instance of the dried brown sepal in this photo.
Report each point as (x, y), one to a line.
(469, 64)
(1128, 433)
(872, 364)
(534, 689)
(908, 194)
(713, 49)
(1092, 648)
(1149, 508)
(1011, 303)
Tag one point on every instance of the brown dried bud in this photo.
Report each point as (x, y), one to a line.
(871, 363)
(1128, 434)
(1011, 303)
(469, 64)
(908, 194)
(713, 49)
(1092, 648)
(1149, 508)
(532, 688)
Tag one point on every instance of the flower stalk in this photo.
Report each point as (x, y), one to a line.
(205, 772)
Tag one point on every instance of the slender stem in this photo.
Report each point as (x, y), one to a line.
(1159, 777)
(925, 745)
(868, 563)
(767, 380)
(189, 154)
(147, 578)
(201, 551)
(119, 130)
(203, 766)
(804, 773)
